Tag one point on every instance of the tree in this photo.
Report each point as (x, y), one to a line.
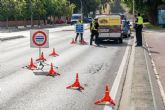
(146, 7)
(88, 5)
(6, 7)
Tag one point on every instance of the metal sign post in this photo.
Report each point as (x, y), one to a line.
(39, 39)
(39, 51)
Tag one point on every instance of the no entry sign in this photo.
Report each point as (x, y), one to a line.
(39, 38)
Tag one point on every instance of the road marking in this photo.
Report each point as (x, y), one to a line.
(117, 80)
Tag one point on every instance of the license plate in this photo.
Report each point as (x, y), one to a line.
(104, 35)
(103, 30)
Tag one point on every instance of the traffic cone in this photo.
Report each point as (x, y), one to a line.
(76, 84)
(31, 66)
(54, 54)
(52, 71)
(73, 42)
(106, 99)
(83, 42)
(41, 58)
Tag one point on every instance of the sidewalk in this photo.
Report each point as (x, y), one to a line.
(5, 35)
(141, 91)
(22, 28)
(141, 94)
(15, 33)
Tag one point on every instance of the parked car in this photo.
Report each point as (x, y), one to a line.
(59, 21)
(87, 19)
(75, 18)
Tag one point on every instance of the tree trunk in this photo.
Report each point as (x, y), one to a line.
(153, 12)
(7, 22)
(39, 22)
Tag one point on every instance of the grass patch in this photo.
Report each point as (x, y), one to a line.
(151, 26)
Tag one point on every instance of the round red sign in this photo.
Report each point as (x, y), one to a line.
(39, 38)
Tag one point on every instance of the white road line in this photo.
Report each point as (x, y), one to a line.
(117, 80)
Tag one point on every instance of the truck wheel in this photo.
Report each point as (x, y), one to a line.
(120, 40)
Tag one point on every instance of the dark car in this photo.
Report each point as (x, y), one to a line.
(87, 19)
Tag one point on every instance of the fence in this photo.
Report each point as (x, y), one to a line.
(28, 22)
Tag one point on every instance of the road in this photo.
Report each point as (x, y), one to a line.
(22, 89)
(155, 40)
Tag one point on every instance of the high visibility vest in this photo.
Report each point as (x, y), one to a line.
(79, 22)
(140, 20)
(93, 26)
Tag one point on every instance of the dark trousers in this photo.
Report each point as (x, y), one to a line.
(139, 36)
(81, 35)
(96, 34)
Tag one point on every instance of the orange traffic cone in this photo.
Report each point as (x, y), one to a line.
(31, 66)
(83, 42)
(41, 58)
(54, 54)
(106, 99)
(73, 42)
(52, 72)
(76, 84)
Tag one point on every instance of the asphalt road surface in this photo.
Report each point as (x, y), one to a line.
(22, 89)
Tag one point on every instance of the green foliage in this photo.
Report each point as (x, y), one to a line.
(147, 8)
(88, 5)
(151, 26)
(21, 9)
(41, 9)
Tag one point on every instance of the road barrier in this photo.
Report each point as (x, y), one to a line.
(76, 85)
(106, 100)
(53, 54)
(52, 71)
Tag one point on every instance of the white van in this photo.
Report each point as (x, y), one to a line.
(75, 18)
(110, 28)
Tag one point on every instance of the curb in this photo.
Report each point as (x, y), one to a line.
(12, 37)
(129, 100)
(125, 99)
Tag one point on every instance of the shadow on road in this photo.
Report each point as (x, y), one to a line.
(106, 44)
(151, 51)
(41, 73)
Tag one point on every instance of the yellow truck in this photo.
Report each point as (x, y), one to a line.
(110, 28)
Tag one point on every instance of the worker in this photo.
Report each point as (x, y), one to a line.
(94, 31)
(138, 28)
(81, 34)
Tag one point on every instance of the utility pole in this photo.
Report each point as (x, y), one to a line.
(133, 11)
(81, 10)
